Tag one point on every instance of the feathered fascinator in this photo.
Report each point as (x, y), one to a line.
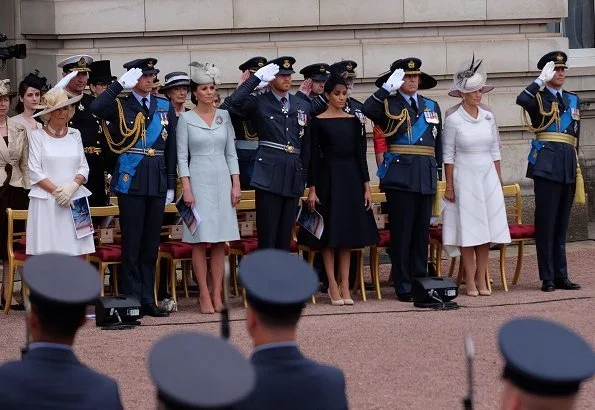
(205, 73)
(470, 77)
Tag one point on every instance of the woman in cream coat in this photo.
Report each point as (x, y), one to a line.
(14, 175)
(210, 181)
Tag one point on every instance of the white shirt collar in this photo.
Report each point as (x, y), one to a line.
(407, 97)
(139, 98)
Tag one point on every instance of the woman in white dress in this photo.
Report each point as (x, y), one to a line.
(57, 169)
(475, 214)
(208, 168)
(30, 90)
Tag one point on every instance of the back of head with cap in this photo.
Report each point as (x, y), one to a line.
(60, 287)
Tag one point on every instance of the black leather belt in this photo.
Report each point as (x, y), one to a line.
(287, 148)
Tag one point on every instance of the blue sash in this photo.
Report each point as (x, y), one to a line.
(127, 163)
(565, 122)
(418, 130)
(566, 116)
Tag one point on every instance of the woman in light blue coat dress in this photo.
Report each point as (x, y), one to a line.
(208, 168)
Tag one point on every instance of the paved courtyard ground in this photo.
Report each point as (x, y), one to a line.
(394, 356)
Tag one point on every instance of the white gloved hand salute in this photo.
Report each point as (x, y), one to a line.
(395, 81)
(130, 78)
(548, 72)
(65, 80)
(267, 73)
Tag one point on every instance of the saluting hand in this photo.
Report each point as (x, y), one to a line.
(395, 81)
(130, 78)
(548, 72)
(306, 87)
(65, 80)
(267, 73)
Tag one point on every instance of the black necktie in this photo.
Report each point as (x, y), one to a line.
(145, 106)
(560, 100)
(413, 103)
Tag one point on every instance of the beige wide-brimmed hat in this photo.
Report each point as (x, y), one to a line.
(205, 73)
(5, 89)
(470, 77)
(55, 99)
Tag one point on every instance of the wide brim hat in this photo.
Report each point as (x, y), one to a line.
(55, 99)
(5, 89)
(470, 77)
(175, 79)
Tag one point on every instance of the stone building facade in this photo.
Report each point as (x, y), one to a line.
(509, 35)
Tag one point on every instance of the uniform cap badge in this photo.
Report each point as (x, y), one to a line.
(82, 63)
(286, 64)
(559, 57)
(411, 64)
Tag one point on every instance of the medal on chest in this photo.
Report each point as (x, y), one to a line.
(434, 131)
(360, 116)
(284, 110)
(164, 123)
(347, 109)
(302, 118)
(431, 116)
(576, 114)
(575, 127)
(81, 107)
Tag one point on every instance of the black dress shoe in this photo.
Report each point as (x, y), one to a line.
(548, 286)
(405, 297)
(566, 284)
(154, 311)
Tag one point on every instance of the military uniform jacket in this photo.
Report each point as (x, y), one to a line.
(276, 170)
(53, 378)
(242, 125)
(413, 173)
(555, 161)
(287, 380)
(92, 136)
(153, 175)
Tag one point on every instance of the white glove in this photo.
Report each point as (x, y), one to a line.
(267, 73)
(169, 197)
(65, 80)
(395, 81)
(548, 72)
(64, 197)
(130, 78)
(61, 198)
(262, 85)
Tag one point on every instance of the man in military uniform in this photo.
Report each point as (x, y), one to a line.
(50, 376)
(100, 76)
(412, 125)
(277, 286)
(245, 131)
(90, 127)
(315, 76)
(553, 166)
(283, 156)
(195, 371)
(545, 364)
(144, 178)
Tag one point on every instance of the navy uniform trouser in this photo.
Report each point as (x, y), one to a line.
(246, 158)
(409, 223)
(553, 203)
(275, 218)
(141, 218)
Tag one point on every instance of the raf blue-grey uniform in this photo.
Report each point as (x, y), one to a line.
(282, 160)
(196, 371)
(141, 179)
(278, 284)
(245, 131)
(552, 166)
(409, 181)
(50, 376)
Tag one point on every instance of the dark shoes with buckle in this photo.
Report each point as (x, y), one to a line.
(566, 284)
(153, 311)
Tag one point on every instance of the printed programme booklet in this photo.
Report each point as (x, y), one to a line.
(189, 215)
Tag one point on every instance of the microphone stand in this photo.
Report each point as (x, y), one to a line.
(225, 328)
(470, 352)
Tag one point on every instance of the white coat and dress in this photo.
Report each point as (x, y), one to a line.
(211, 163)
(478, 214)
(49, 226)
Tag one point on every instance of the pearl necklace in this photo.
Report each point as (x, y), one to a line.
(59, 133)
